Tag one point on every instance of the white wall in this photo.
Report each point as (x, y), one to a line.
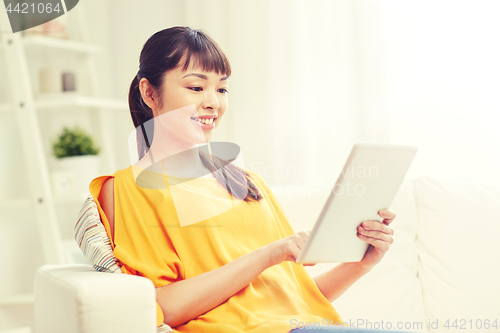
(442, 77)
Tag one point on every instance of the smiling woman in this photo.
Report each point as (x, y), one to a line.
(219, 250)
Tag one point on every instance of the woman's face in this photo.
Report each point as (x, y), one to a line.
(193, 104)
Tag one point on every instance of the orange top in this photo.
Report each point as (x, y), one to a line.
(151, 242)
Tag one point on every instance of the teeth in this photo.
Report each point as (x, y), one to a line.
(204, 121)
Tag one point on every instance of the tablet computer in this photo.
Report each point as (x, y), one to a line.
(368, 183)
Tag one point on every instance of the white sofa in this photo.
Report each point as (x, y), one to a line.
(443, 265)
(442, 270)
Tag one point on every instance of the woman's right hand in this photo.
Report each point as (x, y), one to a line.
(286, 249)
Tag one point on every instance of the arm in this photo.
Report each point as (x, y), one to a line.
(107, 201)
(336, 281)
(187, 299)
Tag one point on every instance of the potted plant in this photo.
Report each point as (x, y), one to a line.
(77, 161)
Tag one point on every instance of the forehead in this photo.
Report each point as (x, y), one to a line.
(193, 68)
(206, 62)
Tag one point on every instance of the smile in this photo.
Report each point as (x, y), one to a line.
(204, 121)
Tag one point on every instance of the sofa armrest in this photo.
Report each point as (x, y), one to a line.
(77, 298)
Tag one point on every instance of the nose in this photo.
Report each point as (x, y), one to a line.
(211, 101)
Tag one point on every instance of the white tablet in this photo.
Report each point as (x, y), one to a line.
(368, 183)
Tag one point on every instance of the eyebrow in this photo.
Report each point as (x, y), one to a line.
(203, 76)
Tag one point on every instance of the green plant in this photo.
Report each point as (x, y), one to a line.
(74, 142)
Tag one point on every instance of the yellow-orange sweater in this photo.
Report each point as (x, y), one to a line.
(149, 241)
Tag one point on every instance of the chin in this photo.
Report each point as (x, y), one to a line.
(208, 138)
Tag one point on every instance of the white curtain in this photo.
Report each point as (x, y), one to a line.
(308, 76)
(443, 85)
(298, 95)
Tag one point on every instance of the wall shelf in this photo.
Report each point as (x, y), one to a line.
(15, 203)
(31, 127)
(59, 44)
(6, 107)
(21, 60)
(78, 100)
(54, 102)
(71, 200)
(19, 299)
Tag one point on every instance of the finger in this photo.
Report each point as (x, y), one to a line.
(376, 234)
(308, 264)
(298, 239)
(304, 235)
(387, 215)
(379, 244)
(377, 226)
(293, 251)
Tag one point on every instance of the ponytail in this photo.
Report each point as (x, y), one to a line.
(140, 113)
(236, 180)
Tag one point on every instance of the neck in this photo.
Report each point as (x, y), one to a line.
(181, 158)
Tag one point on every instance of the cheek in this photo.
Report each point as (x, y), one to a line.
(176, 98)
(223, 102)
(222, 112)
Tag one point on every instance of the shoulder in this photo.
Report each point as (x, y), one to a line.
(117, 180)
(124, 173)
(106, 183)
(107, 189)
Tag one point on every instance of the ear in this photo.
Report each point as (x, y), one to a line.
(147, 93)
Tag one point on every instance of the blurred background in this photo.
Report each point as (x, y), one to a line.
(310, 79)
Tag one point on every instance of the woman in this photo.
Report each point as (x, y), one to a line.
(232, 269)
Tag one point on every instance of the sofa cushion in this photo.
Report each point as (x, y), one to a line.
(91, 237)
(457, 240)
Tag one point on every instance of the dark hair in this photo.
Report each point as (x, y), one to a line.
(162, 52)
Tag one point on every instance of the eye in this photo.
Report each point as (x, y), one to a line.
(223, 90)
(195, 88)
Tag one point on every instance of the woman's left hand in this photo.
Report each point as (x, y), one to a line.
(378, 235)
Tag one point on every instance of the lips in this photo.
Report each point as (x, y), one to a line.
(205, 117)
